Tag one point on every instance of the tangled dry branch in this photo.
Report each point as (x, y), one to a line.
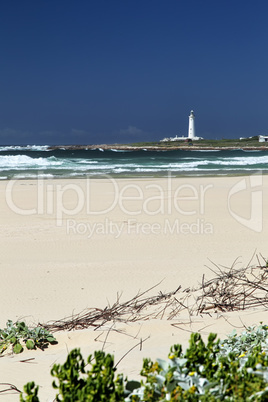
(231, 289)
(137, 308)
(235, 289)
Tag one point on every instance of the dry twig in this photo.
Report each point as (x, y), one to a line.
(232, 289)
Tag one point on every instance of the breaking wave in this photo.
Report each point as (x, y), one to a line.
(32, 161)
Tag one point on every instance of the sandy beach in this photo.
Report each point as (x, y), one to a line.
(69, 245)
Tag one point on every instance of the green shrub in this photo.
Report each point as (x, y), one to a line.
(75, 383)
(233, 370)
(96, 385)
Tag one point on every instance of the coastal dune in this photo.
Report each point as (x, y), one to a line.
(69, 245)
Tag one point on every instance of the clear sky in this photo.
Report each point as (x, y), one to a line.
(106, 71)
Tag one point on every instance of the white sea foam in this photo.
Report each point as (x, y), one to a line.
(87, 162)
(24, 148)
(27, 166)
(205, 150)
(20, 176)
(250, 160)
(251, 150)
(119, 150)
(24, 161)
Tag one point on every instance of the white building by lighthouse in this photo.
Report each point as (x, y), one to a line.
(191, 128)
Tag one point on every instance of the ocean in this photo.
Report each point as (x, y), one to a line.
(29, 162)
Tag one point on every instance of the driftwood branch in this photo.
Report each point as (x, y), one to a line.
(231, 289)
(137, 308)
(8, 388)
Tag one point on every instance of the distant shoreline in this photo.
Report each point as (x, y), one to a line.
(157, 148)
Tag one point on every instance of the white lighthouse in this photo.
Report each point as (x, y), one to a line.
(191, 130)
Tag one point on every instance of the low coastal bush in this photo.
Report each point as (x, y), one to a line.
(74, 383)
(16, 335)
(235, 369)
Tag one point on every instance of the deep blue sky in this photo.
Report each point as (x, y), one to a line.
(108, 71)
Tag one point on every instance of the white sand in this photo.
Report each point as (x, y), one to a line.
(67, 245)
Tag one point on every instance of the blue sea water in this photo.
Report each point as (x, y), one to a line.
(28, 162)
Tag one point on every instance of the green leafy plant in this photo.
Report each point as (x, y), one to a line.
(98, 384)
(75, 383)
(233, 370)
(31, 393)
(17, 335)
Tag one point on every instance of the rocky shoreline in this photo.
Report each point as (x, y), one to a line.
(156, 148)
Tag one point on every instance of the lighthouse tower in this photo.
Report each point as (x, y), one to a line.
(191, 130)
